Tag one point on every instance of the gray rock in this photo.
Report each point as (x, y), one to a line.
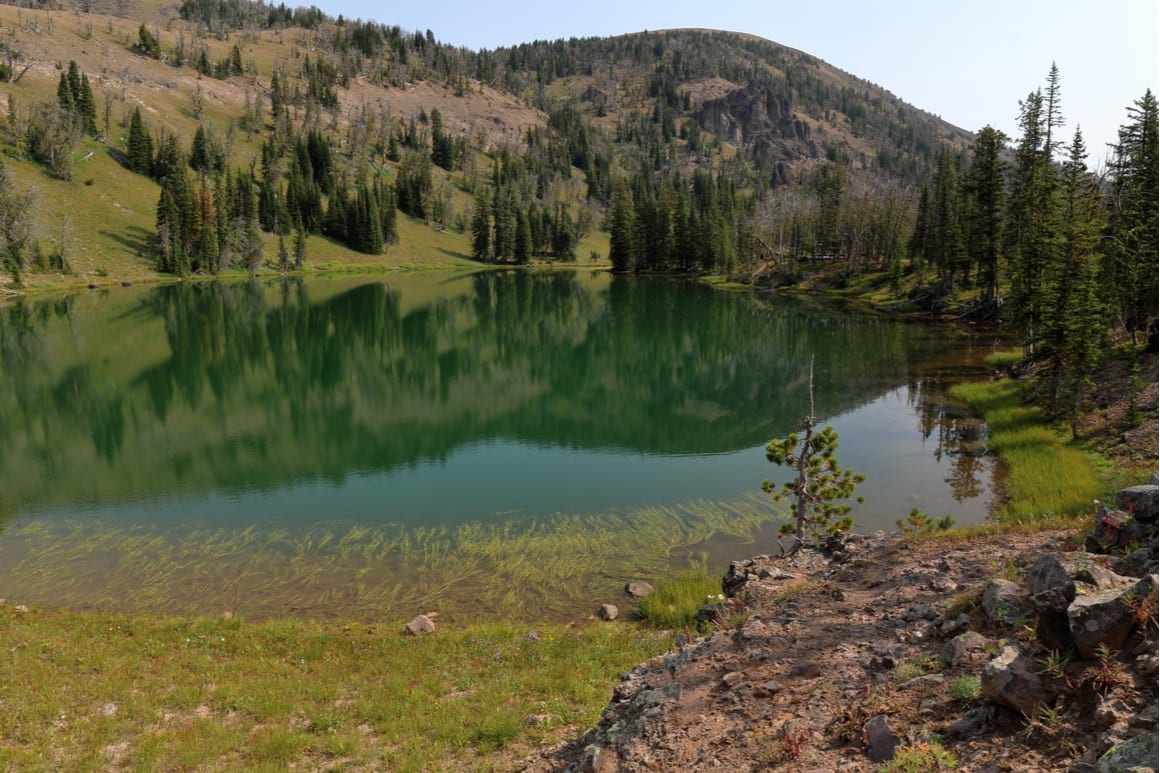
(1003, 602)
(607, 612)
(1060, 571)
(1146, 719)
(1141, 501)
(880, 739)
(971, 724)
(638, 589)
(1051, 623)
(1106, 617)
(966, 648)
(420, 625)
(1112, 710)
(537, 720)
(951, 627)
(1134, 756)
(1154, 479)
(920, 612)
(1011, 680)
(597, 759)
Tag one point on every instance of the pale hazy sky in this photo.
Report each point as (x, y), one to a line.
(969, 61)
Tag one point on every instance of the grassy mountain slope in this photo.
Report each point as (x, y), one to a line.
(763, 114)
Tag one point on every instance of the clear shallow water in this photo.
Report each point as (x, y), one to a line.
(352, 447)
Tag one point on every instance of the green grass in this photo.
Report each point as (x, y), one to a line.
(965, 689)
(1003, 359)
(1047, 476)
(98, 692)
(675, 601)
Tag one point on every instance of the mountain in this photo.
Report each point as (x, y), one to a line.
(546, 129)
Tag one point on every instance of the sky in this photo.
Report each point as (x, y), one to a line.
(968, 62)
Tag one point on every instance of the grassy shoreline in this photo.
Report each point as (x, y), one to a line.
(99, 692)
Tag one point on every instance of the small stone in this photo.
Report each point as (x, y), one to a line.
(732, 679)
(108, 710)
(966, 648)
(421, 624)
(638, 589)
(1012, 680)
(806, 670)
(607, 612)
(1003, 602)
(536, 720)
(880, 740)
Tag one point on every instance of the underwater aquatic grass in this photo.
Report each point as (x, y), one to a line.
(530, 568)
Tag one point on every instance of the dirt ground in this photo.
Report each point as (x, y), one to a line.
(826, 647)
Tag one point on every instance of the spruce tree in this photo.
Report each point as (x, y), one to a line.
(1130, 270)
(140, 150)
(622, 229)
(985, 186)
(1073, 324)
(481, 228)
(1031, 224)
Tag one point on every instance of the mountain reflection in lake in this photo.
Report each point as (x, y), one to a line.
(504, 441)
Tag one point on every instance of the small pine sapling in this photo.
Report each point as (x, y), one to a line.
(818, 492)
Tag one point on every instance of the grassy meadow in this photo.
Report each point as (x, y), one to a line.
(99, 692)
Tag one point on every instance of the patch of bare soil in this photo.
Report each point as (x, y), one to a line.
(824, 648)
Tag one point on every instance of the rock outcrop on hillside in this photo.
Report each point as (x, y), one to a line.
(1006, 652)
(761, 121)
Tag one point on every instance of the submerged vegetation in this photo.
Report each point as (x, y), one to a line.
(529, 570)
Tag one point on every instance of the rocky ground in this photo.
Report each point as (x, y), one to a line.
(838, 663)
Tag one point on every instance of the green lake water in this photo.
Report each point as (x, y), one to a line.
(495, 443)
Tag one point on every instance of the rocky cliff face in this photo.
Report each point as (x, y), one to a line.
(761, 121)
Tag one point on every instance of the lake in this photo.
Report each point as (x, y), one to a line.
(496, 443)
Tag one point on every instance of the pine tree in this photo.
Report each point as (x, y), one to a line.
(523, 245)
(481, 228)
(87, 106)
(1130, 270)
(1073, 324)
(1031, 223)
(622, 229)
(140, 150)
(820, 485)
(299, 246)
(985, 185)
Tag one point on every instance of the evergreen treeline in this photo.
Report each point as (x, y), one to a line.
(1069, 257)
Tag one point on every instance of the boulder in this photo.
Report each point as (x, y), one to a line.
(1141, 502)
(1004, 602)
(1011, 680)
(880, 739)
(1137, 755)
(1106, 617)
(1052, 627)
(607, 612)
(1060, 571)
(638, 589)
(420, 625)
